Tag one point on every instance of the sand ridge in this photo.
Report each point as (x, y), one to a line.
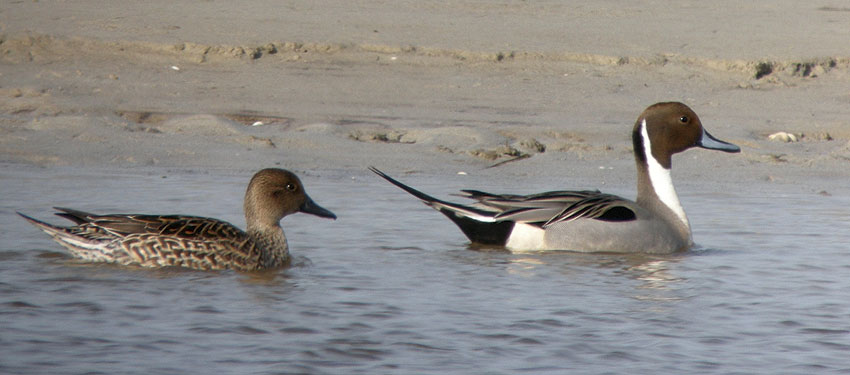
(28, 47)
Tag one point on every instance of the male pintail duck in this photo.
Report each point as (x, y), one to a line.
(590, 221)
(191, 241)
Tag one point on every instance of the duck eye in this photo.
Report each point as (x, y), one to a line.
(291, 187)
(684, 119)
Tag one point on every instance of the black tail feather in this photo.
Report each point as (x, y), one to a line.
(78, 217)
(412, 191)
(480, 232)
(484, 233)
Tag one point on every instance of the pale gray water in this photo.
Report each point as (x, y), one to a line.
(391, 287)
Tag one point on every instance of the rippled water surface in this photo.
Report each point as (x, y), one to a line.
(391, 287)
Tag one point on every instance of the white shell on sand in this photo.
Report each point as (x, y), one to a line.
(783, 137)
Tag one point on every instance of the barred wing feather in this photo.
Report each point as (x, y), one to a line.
(555, 206)
(187, 227)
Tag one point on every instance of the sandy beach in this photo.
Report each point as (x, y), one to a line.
(501, 88)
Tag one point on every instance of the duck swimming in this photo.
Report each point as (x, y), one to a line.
(591, 221)
(191, 241)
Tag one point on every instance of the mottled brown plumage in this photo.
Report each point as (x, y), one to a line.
(191, 241)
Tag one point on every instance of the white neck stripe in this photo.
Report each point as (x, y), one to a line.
(661, 180)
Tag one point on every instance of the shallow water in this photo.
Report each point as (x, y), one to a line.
(391, 287)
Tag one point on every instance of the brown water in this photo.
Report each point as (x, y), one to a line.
(391, 287)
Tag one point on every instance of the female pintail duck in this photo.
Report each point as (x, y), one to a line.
(191, 241)
(590, 221)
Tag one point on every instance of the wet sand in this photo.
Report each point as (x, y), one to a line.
(504, 89)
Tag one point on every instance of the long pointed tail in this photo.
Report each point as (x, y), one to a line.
(91, 249)
(439, 204)
(416, 193)
(478, 225)
(50, 229)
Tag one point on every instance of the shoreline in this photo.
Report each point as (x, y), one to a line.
(123, 92)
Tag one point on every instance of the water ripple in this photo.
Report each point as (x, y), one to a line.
(764, 293)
